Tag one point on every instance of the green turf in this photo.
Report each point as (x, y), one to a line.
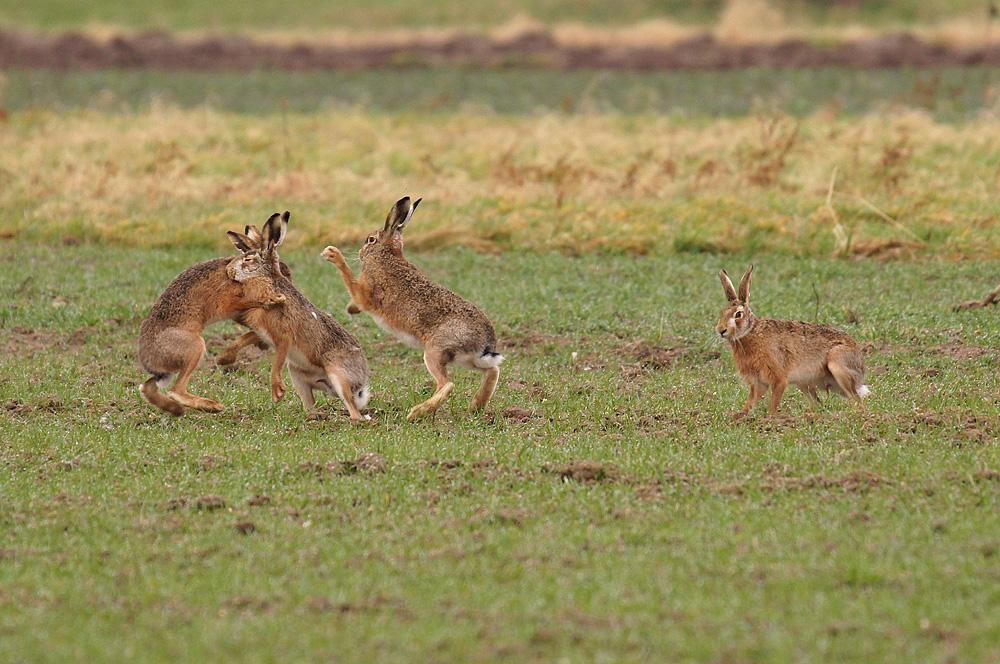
(951, 94)
(834, 535)
(387, 14)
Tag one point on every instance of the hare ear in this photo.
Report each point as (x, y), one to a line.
(727, 287)
(398, 212)
(400, 225)
(744, 292)
(241, 242)
(274, 231)
(253, 233)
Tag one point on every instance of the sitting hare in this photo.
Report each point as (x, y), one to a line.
(778, 353)
(170, 340)
(420, 312)
(320, 353)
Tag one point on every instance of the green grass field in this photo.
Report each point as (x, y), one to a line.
(827, 535)
(605, 508)
(947, 95)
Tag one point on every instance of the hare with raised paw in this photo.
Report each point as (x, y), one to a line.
(320, 353)
(252, 240)
(170, 341)
(420, 312)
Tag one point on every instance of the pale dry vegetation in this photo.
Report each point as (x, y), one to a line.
(896, 182)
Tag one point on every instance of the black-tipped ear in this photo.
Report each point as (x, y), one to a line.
(400, 225)
(241, 242)
(253, 233)
(398, 212)
(744, 292)
(727, 287)
(274, 231)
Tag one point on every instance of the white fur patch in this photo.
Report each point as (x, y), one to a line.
(405, 337)
(362, 397)
(476, 361)
(487, 361)
(164, 382)
(863, 391)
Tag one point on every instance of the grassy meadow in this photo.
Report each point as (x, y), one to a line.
(605, 508)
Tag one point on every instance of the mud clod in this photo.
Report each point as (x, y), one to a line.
(259, 500)
(371, 463)
(583, 471)
(211, 503)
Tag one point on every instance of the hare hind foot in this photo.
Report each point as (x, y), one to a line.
(431, 405)
(197, 403)
(486, 390)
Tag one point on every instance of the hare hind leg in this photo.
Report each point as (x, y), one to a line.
(188, 348)
(151, 391)
(437, 364)
(490, 377)
(303, 387)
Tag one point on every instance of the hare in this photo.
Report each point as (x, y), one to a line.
(253, 239)
(320, 353)
(170, 339)
(777, 353)
(420, 312)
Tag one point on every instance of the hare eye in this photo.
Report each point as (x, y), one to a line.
(738, 315)
(371, 239)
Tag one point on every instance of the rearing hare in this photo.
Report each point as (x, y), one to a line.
(420, 312)
(320, 353)
(252, 239)
(774, 354)
(170, 340)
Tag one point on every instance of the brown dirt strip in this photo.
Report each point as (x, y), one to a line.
(535, 48)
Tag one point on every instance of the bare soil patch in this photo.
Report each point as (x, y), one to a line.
(536, 47)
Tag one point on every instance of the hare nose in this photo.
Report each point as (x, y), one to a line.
(722, 332)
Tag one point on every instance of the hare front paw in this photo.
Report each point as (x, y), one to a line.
(333, 255)
(353, 309)
(272, 302)
(277, 391)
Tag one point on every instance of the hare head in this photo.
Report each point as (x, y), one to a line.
(390, 238)
(737, 319)
(259, 249)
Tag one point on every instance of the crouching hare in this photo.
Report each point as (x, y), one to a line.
(774, 354)
(320, 353)
(170, 341)
(420, 312)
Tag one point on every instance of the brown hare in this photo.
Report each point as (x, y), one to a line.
(252, 239)
(320, 353)
(419, 312)
(170, 340)
(774, 354)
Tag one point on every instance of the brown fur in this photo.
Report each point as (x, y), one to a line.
(229, 355)
(170, 340)
(420, 312)
(320, 353)
(774, 354)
